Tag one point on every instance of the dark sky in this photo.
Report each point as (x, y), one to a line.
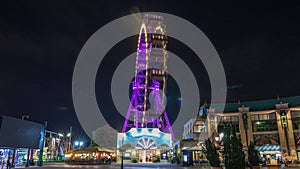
(258, 43)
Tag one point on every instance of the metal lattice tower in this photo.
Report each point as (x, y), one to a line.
(147, 106)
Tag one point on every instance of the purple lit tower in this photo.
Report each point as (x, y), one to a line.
(147, 105)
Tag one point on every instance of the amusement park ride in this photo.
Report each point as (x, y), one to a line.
(147, 104)
(56, 145)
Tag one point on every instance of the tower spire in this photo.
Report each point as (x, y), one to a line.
(147, 105)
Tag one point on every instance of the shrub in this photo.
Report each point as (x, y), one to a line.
(134, 160)
(233, 151)
(253, 155)
(212, 154)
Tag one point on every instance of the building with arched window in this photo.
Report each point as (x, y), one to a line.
(273, 125)
(144, 145)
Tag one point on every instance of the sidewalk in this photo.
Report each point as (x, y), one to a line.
(148, 165)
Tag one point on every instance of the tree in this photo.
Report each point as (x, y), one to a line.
(105, 136)
(233, 151)
(93, 144)
(253, 155)
(212, 154)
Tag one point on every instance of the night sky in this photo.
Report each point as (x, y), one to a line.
(258, 43)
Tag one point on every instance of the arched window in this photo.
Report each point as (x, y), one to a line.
(146, 143)
(265, 140)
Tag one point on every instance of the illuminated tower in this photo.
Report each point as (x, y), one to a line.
(147, 104)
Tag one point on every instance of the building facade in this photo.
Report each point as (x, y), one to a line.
(145, 145)
(195, 132)
(273, 125)
(19, 139)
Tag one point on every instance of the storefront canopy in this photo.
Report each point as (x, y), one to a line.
(107, 150)
(195, 148)
(268, 147)
(92, 149)
(144, 138)
(265, 140)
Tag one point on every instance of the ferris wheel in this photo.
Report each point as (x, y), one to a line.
(147, 105)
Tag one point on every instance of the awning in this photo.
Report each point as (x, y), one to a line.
(268, 147)
(188, 143)
(265, 140)
(108, 150)
(195, 148)
(125, 147)
(91, 150)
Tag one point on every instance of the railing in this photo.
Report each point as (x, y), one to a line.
(201, 163)
(88, 162)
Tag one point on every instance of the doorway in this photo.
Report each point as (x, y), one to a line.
(145, 156)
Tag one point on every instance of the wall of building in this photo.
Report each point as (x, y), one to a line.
(265, 126)
(281, 125)
(17, 133)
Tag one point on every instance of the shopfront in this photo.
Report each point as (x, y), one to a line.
(18, 141)
(144, 145)
(270, 153)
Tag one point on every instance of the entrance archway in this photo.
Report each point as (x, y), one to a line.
(146, 149)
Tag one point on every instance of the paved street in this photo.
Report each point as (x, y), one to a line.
(126, 166)
(114, 166)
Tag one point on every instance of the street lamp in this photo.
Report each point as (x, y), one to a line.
(69, 137)
(60, 143)
(122, 158)
(217, 139)
(78, 143)
(68, 140)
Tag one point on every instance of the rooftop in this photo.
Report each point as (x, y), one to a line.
(293, 101)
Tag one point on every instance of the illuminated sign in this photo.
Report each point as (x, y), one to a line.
(144, 138)
(185, 158)
(145, 132)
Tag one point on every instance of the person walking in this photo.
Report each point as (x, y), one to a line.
(2, 165)
(249, 165)
(8, 163)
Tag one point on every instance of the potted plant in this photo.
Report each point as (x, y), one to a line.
(212, 155)
(253, 156)
(134, 160)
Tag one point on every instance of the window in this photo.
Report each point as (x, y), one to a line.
(199, 127)
(228, 121)
(264, 122)
(257, 117)
(146, 143)
(295, 115)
